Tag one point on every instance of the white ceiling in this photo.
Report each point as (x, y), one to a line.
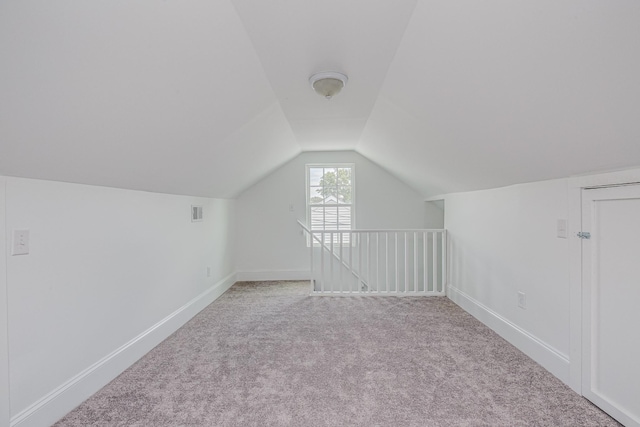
(492, 93)
(295, 39)
(206, 97)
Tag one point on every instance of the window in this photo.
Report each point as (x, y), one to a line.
(330, 195)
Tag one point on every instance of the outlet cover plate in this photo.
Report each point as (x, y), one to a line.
(522, 300)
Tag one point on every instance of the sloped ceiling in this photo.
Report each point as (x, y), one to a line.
(165, 96)
(484, 94)
(206, 97)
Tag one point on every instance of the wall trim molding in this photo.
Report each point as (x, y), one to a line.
(256, 276)
(548, 357)
(54, 405)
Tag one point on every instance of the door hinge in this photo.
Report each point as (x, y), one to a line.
(584, 235)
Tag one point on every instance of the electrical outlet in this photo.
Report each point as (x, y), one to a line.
(522, 300)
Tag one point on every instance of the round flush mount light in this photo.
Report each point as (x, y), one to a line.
(328, 83)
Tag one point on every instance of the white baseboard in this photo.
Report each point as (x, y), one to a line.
(548, 357)
(256, 276)
(76, 390)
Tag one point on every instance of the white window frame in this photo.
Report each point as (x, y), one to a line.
(351, 166)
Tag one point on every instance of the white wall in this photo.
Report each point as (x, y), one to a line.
(434, 214)
(503, 241)
(270, 245)
(107, 268)
(4, 346)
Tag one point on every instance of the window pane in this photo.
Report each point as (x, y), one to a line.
(345, 176)
(315, 195)
(332, 185)
(344, 195)
(315, 175)
(330, 171)
(328, 182)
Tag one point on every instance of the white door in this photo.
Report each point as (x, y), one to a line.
(611, 301)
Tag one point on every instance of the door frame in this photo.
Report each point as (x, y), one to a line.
(575, 187)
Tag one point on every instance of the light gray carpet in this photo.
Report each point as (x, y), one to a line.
(266, 354)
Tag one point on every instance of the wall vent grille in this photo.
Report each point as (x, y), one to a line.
(196, 213)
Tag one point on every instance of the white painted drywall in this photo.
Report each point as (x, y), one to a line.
(504, 241)
(269, 238)
(105, 265)
(4, 344)
(434, 214)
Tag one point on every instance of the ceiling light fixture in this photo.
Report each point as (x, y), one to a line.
(328, 83)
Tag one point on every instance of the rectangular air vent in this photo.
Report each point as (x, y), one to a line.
(196, 213)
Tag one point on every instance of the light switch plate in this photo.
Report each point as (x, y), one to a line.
(20, 242)
(562, 228)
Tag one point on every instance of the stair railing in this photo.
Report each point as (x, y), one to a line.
(377, 262)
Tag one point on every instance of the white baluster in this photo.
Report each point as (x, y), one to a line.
(321, 262)
(340, 263)
(377, 263)
(331, 261)
(435, 260)
(311, 262)
(369, 275)
(425, 236)
(444, 261)
(386, 262)
(406, 264)
(351, 275)
(415, 262)
(395, 234)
